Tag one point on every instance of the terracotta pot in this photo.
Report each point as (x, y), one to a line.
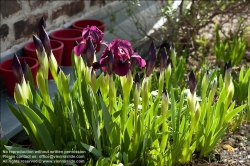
(67, 37)
(81, 24)
(7, 74)
(57, 49)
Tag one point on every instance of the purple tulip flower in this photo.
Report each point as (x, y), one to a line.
(38, 45)
(17, 69)
(227, 70)
(25, 69)
(192, 82)
(123, 55)
(228, 67)
(164, 59)
(110, 62)
(44, 37)
(151, 59)
(90, 52)
(95, 36)
(41, 24)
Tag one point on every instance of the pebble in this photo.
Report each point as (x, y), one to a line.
(239, 137)
(226, 147)
(230, 143)
(231, 140)
(235, 21)
(236, 149)
(242, 133)
(224, 160)
(243, 148)
(241, 144)
(248, 149)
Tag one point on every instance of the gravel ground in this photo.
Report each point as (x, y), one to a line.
(234, 148)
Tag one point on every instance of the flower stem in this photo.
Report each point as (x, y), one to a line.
(144, 99)
(111, 94)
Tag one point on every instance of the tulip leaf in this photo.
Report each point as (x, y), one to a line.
(103, 161)
(95, 121)
(86, 99)
(231, 114)
(126, 140)
(181, 129)
(180, 70)
(221, 99)
(246, 78)
(180, 107)
(30, 78)
(158, 121)
(214, 141)
(249, 97)
(59, 83)
(91, 149)
(75, 127)
(231, 107)
(58, 111)
(36, 96)
(82, 119)
(40, 126)
(46, 121)
(22, 119)
(58, 135)
(125, 158)
(173, 121)
(221, 83)
(130, 124)
(108, 124)
(241, 74)
(115, 135)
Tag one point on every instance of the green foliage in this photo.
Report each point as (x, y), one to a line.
(241, 95)
(248, 103)
(141, 128)
(242, 84)
(229, 50)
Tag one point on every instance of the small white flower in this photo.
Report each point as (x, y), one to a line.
(154, 93)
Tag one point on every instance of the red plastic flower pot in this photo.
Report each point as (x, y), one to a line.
(57, 49)
(81, 24)
(7, 74)
(67, 37)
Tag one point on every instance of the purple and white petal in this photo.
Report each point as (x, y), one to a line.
(121, 69)
(79, 49)
(141, 62)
